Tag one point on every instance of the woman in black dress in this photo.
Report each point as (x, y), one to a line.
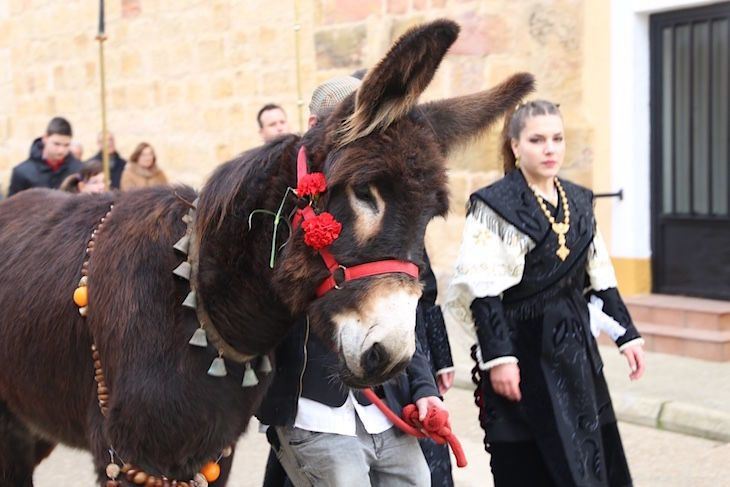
(534, 275)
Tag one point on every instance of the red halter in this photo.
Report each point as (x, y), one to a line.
(339, 274)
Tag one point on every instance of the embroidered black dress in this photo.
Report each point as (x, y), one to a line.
(529, 306)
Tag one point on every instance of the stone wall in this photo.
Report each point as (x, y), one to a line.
(189, 76)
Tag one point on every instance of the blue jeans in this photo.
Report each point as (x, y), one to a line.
(388, 459)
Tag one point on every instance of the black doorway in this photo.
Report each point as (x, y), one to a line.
(690, 162)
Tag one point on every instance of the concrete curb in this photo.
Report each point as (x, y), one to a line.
(695, 420)
(676, 416)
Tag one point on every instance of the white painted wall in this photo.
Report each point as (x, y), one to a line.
(630, 235)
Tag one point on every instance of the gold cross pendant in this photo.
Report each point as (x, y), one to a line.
(562, 252)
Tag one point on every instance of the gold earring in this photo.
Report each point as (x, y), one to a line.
(517, 161)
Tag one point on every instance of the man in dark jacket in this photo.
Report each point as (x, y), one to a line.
(116, 162)
(50, 160)
(318, 422)
(352, 441)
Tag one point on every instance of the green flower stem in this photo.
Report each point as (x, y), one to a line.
(277, 220)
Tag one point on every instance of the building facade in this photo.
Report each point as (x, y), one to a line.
(190, 76)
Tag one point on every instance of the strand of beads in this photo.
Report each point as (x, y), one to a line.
(560, 229)
(207, 475)
(102, 391)
(81, 298)
(81, 293)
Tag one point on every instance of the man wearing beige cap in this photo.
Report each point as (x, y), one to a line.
(323, 432)
(329, 94)
(431, 329)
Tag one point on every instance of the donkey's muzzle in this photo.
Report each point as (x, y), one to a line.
(377, 364)
(374, 360)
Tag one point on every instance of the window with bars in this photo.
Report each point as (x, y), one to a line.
(692, 53)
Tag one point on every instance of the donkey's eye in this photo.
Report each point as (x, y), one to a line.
(363, 193)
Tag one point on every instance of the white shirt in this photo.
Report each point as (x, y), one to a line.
(492, 260)
(315, 416)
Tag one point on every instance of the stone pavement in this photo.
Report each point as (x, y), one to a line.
(657, 458)
(679, 394)
(676, 395)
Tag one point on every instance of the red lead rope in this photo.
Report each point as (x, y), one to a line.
(434, 426)
(340, 274)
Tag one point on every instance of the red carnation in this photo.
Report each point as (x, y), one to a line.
(311, 185)
(321, 231)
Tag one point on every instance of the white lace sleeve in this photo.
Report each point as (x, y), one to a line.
(599, 267)
(491, 260)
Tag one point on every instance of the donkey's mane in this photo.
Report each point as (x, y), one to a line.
(241, 185)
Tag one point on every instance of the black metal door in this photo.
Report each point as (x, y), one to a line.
(690, 176)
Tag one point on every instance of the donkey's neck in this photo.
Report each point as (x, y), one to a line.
(234, 279)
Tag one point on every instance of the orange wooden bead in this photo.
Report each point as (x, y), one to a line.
(81, 296)
(211, 471)
(140, 478)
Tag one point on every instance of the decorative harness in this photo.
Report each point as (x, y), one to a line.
(339, 274)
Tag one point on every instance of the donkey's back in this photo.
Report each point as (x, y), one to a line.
(43, 236)
(47, 380)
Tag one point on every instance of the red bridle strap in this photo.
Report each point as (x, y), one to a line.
(340, 274)
(363, 270)
(302, 169)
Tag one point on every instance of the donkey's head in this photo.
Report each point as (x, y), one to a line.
(384, 160)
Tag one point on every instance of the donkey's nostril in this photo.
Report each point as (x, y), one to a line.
(373, 359)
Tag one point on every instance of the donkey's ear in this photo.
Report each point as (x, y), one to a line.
(392, 88)
(456, 120)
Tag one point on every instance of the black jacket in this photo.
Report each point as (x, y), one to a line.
(35, 173)
(430, 326)
(315, 380)
(116, 166)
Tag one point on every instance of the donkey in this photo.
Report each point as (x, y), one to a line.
(383, 157)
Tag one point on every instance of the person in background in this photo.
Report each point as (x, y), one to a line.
(50, 160)
(431, 331)
(116, 162)
(89, 180)
(142, 170)
(77, 150)
(272, 122)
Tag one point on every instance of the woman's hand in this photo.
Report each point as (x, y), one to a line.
(635, 357)
(505, 379)
(444, 381)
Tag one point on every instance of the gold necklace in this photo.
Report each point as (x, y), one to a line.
(560, 229)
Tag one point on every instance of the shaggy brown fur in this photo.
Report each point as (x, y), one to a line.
(166, 415)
